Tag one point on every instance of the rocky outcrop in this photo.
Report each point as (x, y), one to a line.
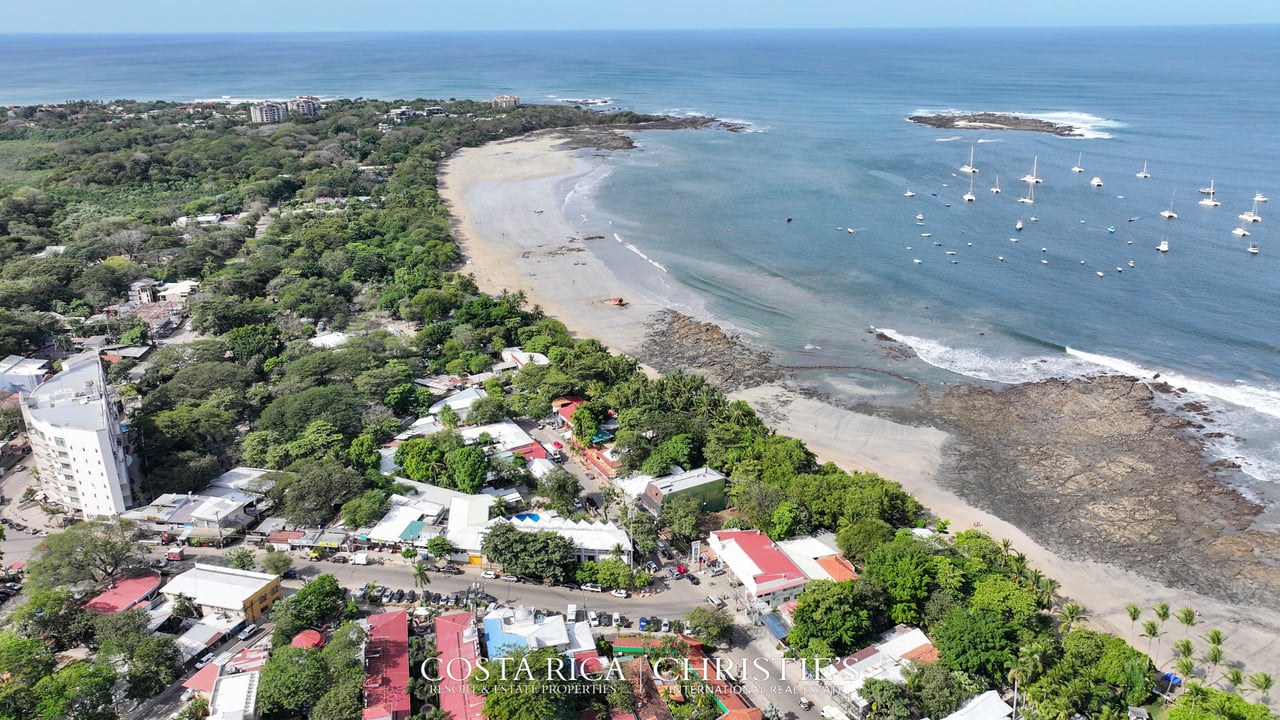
(994, 121)
(675, 341)
(1093, 469)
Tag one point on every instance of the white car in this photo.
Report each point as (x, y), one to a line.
(489, 575)
(592, 587)
(509, 578)
(619, 593)
(208, 658)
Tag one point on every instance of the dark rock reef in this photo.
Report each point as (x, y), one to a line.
(994, 121)
(675, 341)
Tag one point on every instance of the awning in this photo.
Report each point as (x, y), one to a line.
(773, 623)
(412, 530)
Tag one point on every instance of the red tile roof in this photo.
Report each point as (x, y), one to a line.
(386, 687)
(924, 655)
(249, 659)
(124, 594)
(456, 637)
(566, 411)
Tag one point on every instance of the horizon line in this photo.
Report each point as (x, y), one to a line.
(134, 33)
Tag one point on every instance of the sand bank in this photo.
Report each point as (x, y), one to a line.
(495, 193)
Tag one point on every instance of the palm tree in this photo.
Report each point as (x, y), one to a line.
(1214, 637)
(1183, 647)
(420, 577)
(1134, 612)
(1187, 617)
(1069, 615)
(1261, 683)
(1213, 656)
(1186, 666)
(1151, 631)
(1161, 611)
(1234, 677)
(1047, 593)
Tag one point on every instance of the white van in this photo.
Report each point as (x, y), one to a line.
(715, 600)
(594, 618)
(617, 619)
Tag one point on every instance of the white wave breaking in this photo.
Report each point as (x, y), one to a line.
(1239, 409)
(637, 251)
(1086, 125)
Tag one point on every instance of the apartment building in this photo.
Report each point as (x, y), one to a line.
(268, 113)
(78, 447)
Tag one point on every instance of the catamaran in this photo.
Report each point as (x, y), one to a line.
(1077, 168)
(969, 197)
(1096, 182)
(995, 189)
(1169, 214)
(1212, 200)
(1251, 215)
(1033, 178)
(1144, 174)
(1030, 198)
(969, 168)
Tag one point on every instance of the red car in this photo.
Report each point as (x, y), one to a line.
(681, 569)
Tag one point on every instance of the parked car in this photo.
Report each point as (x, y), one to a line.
(715, 600)
(577, 503)
(644, 624)
(290, 574)
(248, 631)
(387, 595)
(569, 586)
(399, 596)
(489, 575)
(411, 596)
(594, 618)
(592, 587)
(591, 503)
(805, 703)
(617, 620)
(509, 578)
(652, 567)
(619, 593)
(666, 626)
(208, 658)
(693, 579)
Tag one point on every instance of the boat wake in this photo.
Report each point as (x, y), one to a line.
(952, 138)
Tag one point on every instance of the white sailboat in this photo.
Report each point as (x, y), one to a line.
(1096, 182)
(1253, 248)
(1030, 197)
(1251, 215)
(1163, 246)
(1259, 197)
(1168, 213)
(1240, 232)
(968, 167)
(1212, 199)
(995, 189)
(1077, 168)
(969, 196)
(1033, 178)
(1144, 174)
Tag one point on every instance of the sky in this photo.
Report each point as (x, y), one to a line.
(168, 16)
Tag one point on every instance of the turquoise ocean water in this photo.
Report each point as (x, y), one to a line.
(827, 144)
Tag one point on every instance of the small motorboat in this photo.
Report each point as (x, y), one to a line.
(908, 193)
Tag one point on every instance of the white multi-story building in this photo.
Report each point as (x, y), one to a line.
(304, 105)
(77, 445)
(268, 113)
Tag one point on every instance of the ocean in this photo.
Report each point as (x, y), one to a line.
(701, 217)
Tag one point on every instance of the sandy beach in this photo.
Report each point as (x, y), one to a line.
(506, 198)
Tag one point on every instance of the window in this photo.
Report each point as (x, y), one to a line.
(65, 466)
(63, 454)
(59, 442)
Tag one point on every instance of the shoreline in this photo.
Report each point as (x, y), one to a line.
(495, 189)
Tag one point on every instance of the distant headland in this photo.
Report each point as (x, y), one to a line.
(995, 121)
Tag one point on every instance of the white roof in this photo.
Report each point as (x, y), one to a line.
(468, 519)
(18, 365)
(237, 478)
(987, 706)
(633, 485)
(687, 479)
(901, 643)
(520, 622)
(74, 397)
(181, 287)
(541, 467)
(423, 426)
(330, 340)
(506, 435)
(520, 357)
(218, 587)
(805, 551)
(460, 401)
(234, 696)
(587, 535)
(398, 517)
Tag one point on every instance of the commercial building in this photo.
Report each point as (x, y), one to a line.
(235, 696)
(705, 484)
(767, 575)
(125, 594)
(226, 591)
(506, 101)
(386, 662)
(507, 629)
(78, 445)
(818, 557)
(268, 112)
(900, 648)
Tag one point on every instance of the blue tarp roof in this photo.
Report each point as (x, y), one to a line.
(774, 625)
